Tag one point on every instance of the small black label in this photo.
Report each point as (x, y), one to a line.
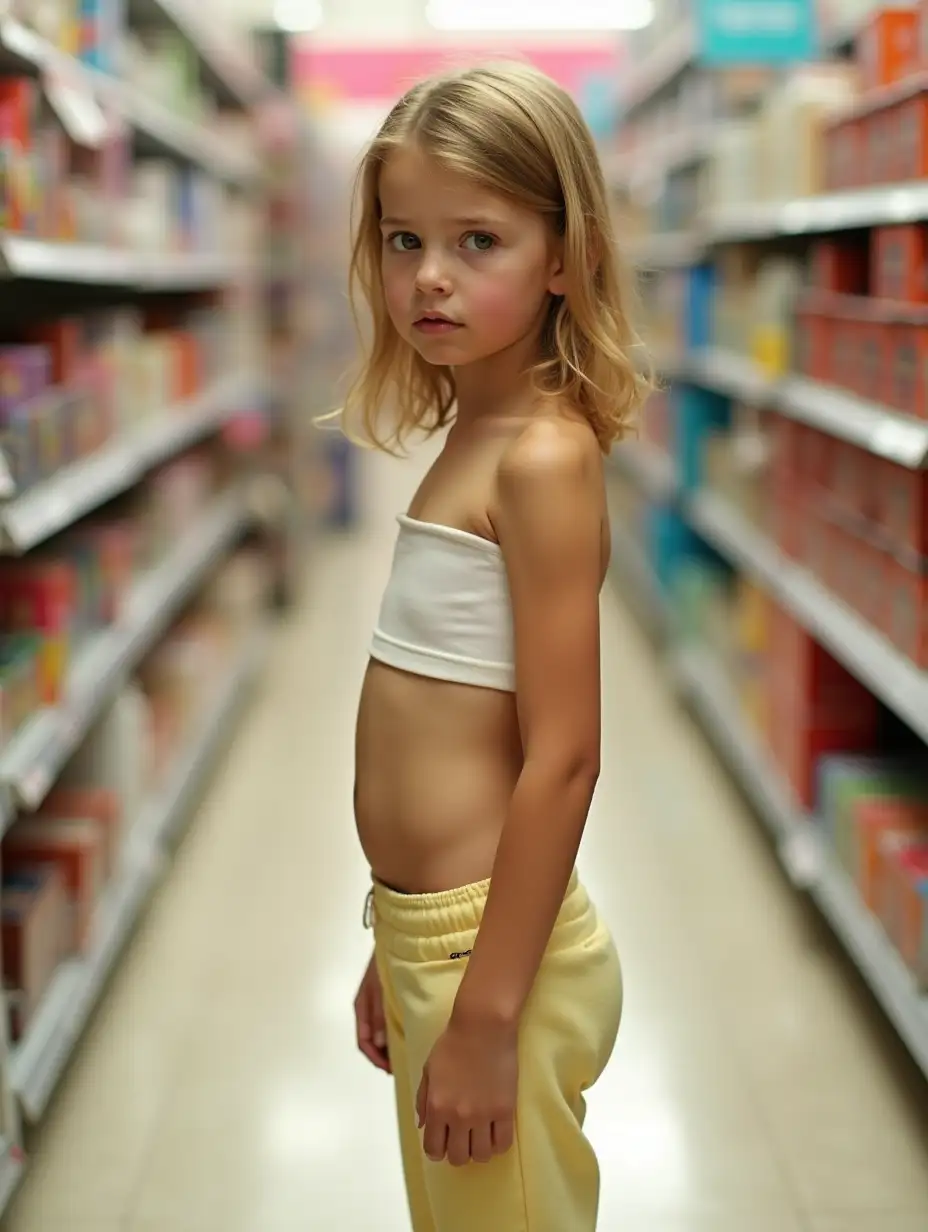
(462, 954)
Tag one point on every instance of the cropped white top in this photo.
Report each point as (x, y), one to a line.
(446, 611)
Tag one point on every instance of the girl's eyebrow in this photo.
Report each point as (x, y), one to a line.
(458, 222)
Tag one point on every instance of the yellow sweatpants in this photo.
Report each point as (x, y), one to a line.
(549, 1180)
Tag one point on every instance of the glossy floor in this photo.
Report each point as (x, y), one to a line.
(754, 1088)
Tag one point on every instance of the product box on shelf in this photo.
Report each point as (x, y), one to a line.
(887, 47)
(900, 263)
(34, 907)
(99, 804)
(845, 782)
(76, 846)
(906, 609)
(816, 707)
(901, 508)
(840, 265)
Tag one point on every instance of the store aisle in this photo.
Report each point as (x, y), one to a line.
(753, 1089)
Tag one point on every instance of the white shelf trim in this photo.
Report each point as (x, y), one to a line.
(34, 758)
(862, 650)
(24, 256)
(900, 438)
(648, 468)
(862, 936)
(146, 115)
(38, 1060)
(63, 499)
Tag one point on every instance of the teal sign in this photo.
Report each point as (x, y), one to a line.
(748, 33)
(597, 100)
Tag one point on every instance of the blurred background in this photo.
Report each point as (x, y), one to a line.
(191, 566)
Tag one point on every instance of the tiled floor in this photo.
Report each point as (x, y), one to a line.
(753, 1090)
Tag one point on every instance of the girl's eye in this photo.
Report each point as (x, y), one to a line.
(479, 241)
(403, 241)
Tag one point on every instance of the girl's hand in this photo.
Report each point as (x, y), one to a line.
(371, 1021)
(467, 1098)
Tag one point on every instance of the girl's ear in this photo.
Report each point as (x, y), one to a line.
(557, 282)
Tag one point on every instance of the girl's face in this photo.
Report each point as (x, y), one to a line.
(467, 273)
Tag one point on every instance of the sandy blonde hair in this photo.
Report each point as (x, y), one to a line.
(513, 131)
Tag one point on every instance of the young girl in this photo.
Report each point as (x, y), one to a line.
(485, 254)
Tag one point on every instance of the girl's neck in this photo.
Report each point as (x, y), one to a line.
(497, 387)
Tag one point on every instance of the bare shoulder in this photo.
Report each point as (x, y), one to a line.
(551, 451)
(550, 486)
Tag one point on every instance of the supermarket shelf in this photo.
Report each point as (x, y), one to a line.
(12, 1165)
(64, 499)
(236, 80)
(648, 468)
(163, 817)
(667, 250)
(804, 856)
(875, 958)
(658, 69)
(32, 761)
(840, 211)
(39, 1059)
(703, 683)
(22, 256)
(900, 438)
(23, 50)
(662, 157)
(630, 565)
(728, 373)
(863, 651)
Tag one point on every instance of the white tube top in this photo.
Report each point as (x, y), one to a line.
(446, 611)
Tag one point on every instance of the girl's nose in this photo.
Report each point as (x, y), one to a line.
(432, 276)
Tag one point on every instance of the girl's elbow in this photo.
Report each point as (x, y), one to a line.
(579, 769)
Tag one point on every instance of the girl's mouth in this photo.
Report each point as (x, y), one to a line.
(435, 323)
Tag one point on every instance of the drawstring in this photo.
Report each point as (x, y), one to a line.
(369, 909)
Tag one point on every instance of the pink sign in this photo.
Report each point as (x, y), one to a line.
(369, 74)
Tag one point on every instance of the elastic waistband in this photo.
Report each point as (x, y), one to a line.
(424, 926)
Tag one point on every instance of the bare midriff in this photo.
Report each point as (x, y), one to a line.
(436, 764)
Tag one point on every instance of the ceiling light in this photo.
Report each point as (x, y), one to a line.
(540, 14)
(298, 16)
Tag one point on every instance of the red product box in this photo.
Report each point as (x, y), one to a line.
(787, 524)
(844, 363)
(814, 344)
(900, 263)
(880, 149)
(906, 613)
(798, 749)
(847, 463)
(817, 690)
(911, 138)
(35, 919)
(844, 150)
(904, 508)
(867, 370)
(837, 562)
(904, 384)
(887, 47)
(873, 818)
(99, 804)
(76, 847)
(19, 105)
(872, 597)
(840, 266)
(900, 895)
(64, 339)
(785, 438)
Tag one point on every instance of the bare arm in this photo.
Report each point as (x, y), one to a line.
(549, 527)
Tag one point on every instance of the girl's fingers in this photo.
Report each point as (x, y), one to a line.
(422, 1098)
(502, 1133)
(481, 1143)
